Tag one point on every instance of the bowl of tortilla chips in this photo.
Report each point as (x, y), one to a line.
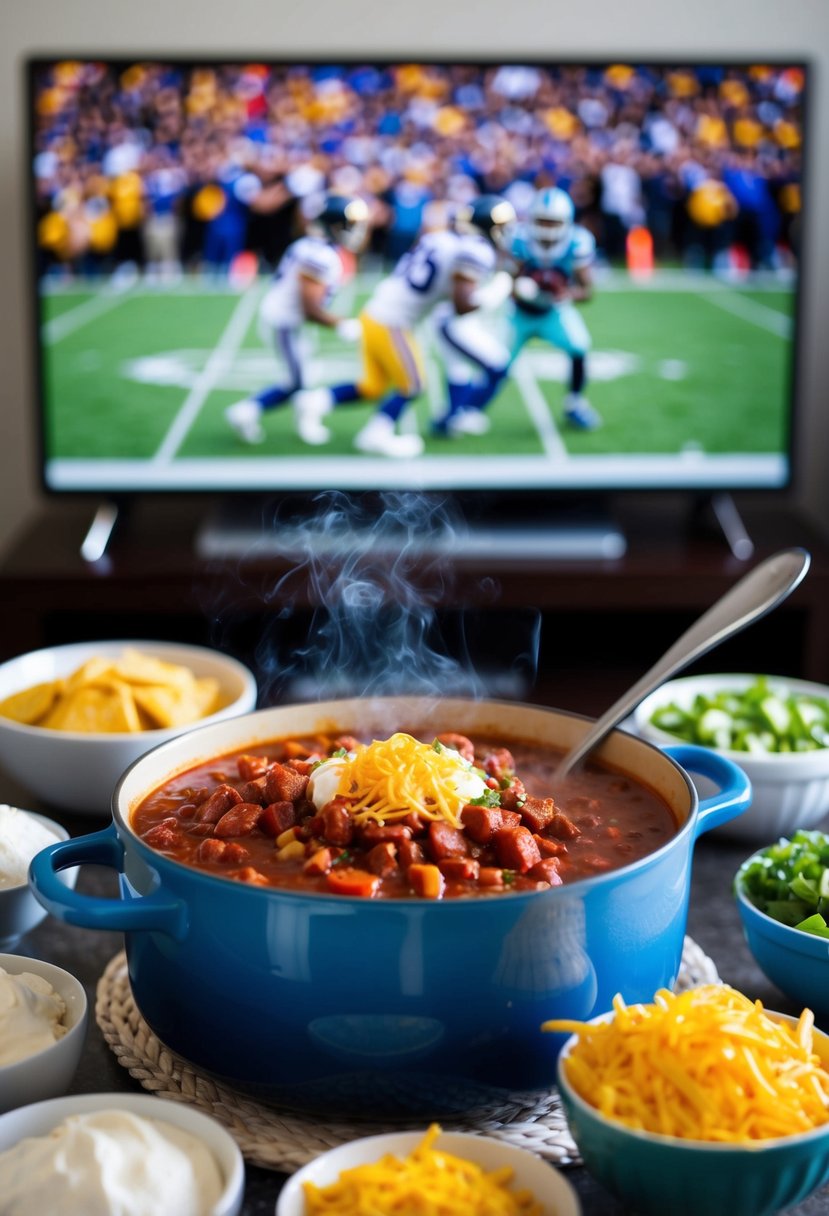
(74, 717)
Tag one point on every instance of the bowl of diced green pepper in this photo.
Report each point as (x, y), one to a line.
(782, 895)
(775, 728)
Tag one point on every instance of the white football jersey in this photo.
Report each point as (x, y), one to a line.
(309, 256)
(423, 276)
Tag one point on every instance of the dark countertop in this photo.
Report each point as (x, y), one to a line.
(713, 923)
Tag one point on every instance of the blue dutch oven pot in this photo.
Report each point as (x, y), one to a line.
(327, 1003)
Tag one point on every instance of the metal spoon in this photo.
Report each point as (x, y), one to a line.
(762, 589)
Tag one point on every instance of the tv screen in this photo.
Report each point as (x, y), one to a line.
(259, 275)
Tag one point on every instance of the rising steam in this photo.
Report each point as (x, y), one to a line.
(375, 573)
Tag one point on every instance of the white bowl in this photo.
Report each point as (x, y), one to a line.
(78, 771)
(555, 1195)
(42, 1117)
(49, 1072)
(790, 790)
(19, 910)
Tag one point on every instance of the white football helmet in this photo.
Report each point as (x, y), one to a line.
(551, 218)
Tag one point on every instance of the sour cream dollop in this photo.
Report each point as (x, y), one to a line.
(110, 1163)
(21, 836)
(31, 1017)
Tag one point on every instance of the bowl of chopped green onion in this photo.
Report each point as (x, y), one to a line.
(782, 895)
(775, 728)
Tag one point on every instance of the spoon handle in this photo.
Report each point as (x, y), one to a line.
(762, 589)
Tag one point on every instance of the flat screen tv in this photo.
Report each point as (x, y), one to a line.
(656, 348)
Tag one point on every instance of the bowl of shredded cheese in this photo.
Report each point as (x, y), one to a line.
(433, 1173)
(701, 1101)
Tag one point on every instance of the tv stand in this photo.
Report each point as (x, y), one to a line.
(716, 515)
(734, 530)
(240, 529)
(95, 542)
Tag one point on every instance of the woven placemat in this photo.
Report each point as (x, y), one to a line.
(284, 1141)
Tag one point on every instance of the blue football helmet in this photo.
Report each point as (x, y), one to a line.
(489, 215)
(341, 220)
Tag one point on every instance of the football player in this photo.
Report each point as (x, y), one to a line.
(307, 277)
(553, 256)
(450, 268)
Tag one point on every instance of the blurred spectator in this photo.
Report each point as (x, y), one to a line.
(167, 166)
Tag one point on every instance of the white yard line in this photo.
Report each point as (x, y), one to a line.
(75, 318)
(539, 410)
(215, 367)
(752, 311)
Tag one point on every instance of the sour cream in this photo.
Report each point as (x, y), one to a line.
(21, 836)
(110, 1163)
(31, 1017)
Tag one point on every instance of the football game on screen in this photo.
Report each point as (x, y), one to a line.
(259, 275)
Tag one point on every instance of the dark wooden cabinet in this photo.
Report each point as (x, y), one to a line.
(573, 633)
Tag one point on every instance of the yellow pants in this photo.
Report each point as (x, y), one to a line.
(391, 360)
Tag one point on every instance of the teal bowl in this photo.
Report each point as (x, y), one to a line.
(796, 962)
(656, 1175)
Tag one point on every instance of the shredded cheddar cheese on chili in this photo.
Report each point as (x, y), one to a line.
(428, 1182)
(705, 1064)
(389, 778)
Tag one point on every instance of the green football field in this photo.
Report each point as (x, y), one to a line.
(681, 366)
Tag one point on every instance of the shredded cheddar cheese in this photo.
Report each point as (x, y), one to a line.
(705, 1064)
(427, 1182)
(389, 778)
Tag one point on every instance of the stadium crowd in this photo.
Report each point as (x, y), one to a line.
(168, 167)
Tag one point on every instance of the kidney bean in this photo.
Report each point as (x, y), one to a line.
(240, 820)
(499, 763)
(211, 849)
(410, 853)
(338, 826)
(234, 853)
(220, 801)
(378, 833)
(382, 859)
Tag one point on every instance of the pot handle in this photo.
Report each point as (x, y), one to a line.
(734, 788)
(147, 912)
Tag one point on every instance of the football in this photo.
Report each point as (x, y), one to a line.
(551, 280)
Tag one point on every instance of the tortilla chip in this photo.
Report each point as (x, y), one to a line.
(167, 706)
(138, 668)
(96, 710)
(32, 704)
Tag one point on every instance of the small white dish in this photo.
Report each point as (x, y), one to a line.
(47, 1073)
(42, 1117)
(551, 1190)
(20, 912)
(790, 790)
